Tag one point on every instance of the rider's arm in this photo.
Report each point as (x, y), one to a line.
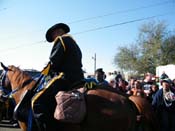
(56, 56)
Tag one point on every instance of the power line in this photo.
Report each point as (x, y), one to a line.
(90, 30)
(122, 11)
(116, 12)
(122, 23)
(23, 46)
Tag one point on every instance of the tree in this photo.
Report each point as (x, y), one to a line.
(168, 51)
(154, 47)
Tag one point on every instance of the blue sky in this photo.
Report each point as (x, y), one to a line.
(95, 25)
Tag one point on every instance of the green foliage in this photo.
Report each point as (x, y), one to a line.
(168, 51)
(155, 46)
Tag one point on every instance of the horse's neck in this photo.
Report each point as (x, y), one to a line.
(20, 84)
(19, 94)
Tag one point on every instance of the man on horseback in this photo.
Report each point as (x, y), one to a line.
(65, 55)
(64, 70)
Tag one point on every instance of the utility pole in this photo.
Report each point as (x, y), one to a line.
(94, 58)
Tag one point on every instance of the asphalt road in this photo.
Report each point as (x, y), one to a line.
(9, 129)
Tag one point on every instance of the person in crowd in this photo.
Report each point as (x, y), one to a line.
(173, 83)
(164, 75)
(115, 73)
(118, 77)
(111, 79)
(100, 77)
(112, 83)
(153, 90)
(109, 76)
(131, 83)
(122, 85)
(164, 106)
(147, 83)
(137, 89)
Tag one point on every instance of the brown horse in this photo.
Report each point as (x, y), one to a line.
(106, 109)
(15, 78)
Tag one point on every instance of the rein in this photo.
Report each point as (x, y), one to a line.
(9, 95)
(18, 88)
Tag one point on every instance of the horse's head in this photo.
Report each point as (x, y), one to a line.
(14, 82)
(5, 86)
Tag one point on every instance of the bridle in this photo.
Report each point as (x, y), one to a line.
(5, 92)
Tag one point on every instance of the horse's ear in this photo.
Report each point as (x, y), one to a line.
(3, 66)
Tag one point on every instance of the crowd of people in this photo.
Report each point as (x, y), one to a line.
(159, 91)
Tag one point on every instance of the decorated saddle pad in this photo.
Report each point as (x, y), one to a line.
(71, 106)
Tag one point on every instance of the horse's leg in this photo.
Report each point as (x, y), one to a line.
(23, 126)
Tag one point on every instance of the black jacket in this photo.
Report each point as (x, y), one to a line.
(66, 57)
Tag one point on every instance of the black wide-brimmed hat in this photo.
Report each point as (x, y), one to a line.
(56, 26)
(167, 80)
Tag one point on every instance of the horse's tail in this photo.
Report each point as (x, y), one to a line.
(146, 117)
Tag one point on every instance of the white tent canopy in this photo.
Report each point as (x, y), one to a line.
(168, 69)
